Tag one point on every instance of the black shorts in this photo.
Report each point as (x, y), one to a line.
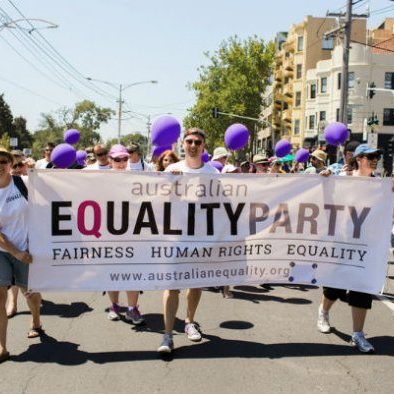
(353, 298)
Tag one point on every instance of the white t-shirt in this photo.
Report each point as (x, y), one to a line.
(13, 215)
(182, 166)
(97, 166)
(42, 163)
(138, 166)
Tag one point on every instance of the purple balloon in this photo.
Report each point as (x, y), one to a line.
(63, 155)
(72, 136)
(165, 130)
(282, 148)
(216, 164)
(236, 136)
(302, 155)
(205, 156)
(81, 157)
(336, 133)
(158, 150)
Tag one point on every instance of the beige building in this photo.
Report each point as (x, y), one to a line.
(298, 51)
(323, 87)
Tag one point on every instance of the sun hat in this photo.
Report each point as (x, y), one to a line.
(319, 155)
(118, 150)
(260, 159)
(220, 152)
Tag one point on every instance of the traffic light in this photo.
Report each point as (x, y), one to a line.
(373, 120)
(371, 92)
(215, 112)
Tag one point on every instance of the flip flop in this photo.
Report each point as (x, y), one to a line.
(4, 357)
(35, 332)
(12, 314)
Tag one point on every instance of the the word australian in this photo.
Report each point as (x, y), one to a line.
(91, 218)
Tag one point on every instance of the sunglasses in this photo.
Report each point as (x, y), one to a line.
(4, 162)
(99, 154)
(18, 165)
(119, 159)
(373, 156)
(195, 142)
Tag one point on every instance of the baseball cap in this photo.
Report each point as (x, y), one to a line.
(365, 149)
(118, 150)
(220, 152)
(319, 155)
(194, 131)
(245, 163)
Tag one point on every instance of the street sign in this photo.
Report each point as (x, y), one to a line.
(14, 142)
(372, 140)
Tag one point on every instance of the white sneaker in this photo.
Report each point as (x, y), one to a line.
(358, 340)
(192, 332)
(323, 324)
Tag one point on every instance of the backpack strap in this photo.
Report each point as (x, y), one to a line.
(143, 165)
(20, 185)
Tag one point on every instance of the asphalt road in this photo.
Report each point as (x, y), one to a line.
(260, 341)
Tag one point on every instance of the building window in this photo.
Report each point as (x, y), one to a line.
(286, 80)
(322, 116)
(311, 122)
(339, 77)
(351, 80)
(337, 115)
(298, 99)
(328, 43)
(323, 85)
(389, 80)
(388, 117)
(349, 115)
(313, 91)
(300, 43)
(296, 126)
(299, 71)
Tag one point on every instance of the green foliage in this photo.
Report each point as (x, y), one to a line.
(5, 141)
(129, 139)
(86, 117)
(233, 81)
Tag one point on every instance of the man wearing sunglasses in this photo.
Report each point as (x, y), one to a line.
(102, 160)
(136, 162)
(193, 145)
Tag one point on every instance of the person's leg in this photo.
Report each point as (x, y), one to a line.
(358, 315)
(330, 295)
(34, 303)
(3, 321)
(113, 297)
(170, 308)
(133, 314)
(114, 310)
(12, 301)
(326, 304)
(193, 298)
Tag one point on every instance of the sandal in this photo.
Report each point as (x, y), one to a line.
(35, 332)
(12, 314)
(4, 357)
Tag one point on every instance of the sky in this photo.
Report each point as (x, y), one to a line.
(127, 41)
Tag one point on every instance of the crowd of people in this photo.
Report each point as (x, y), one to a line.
(358, 160)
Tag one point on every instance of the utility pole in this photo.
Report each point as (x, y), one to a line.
(345, 29)
(120, 113)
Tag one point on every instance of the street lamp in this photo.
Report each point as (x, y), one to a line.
(14, 24)
(120, 101)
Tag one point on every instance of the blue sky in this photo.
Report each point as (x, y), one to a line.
(126, 41)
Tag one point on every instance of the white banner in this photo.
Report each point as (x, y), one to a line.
(108, 230)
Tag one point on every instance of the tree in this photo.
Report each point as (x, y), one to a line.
(20, 131)
(85, 116)
(233, 81)
(6, 117)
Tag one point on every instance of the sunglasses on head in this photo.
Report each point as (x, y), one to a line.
(119, 159)
(48, 149)
(195, 142)
(18, 165)
(99, 154)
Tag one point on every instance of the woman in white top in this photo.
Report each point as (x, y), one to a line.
(14, 256)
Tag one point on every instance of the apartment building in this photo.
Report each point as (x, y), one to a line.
(297, 51)
(323, 84)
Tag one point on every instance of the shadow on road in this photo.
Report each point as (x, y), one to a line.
(213, 347)
(49, 308)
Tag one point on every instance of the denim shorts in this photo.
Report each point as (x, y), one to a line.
(12, 271)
